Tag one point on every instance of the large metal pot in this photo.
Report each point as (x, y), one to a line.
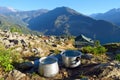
(71, 58)
(48, 66)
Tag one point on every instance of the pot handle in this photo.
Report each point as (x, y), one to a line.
(76, 60)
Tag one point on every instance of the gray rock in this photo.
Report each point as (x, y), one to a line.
(15, 75)
(19, 49)
(14, 41)
(23, 43)
(35, 50)
(108, 70)
(7, 46)
(87, 56)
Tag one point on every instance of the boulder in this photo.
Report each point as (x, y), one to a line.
(15, 75)
(14, 41)
(35, 50)
(19, 49)
(106, 70)
(40, 50)
(23, 43)
(54, 45)
(87, 56)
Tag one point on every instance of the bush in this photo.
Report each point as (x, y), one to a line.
(14, 29)
(94, 50)
(99, 50)
(117, 57)
(97, 43)
(5, 59)
(87, 49)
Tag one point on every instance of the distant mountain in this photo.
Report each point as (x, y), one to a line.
(7, 10)
(60, 21)
(12, 18)
(27, 15)
(20, 17)
(64, 20)
(6, 25)
(112, 15)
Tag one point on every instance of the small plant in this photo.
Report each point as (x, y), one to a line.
(5, 60)
(82, 76)
(99, 50)
(97, 43)
(2, 79)
(94, 50)
(34, 74)
(14, 29)
(117, 57)
(87, 49)
(56, 51)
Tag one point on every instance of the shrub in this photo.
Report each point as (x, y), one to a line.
(117, 57)
(87, 49)
(5, 59)
(94, 50)
(97, 43)
(14, 29)
(99, 50)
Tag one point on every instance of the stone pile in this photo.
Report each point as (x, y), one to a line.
(31, 44)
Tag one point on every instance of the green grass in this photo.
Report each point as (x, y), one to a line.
(117, 57)
(56, 51)
(2, 79)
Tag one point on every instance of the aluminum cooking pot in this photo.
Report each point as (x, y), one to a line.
(48, 66)
(71, 58)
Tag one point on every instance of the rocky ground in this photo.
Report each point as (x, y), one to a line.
(32, 48)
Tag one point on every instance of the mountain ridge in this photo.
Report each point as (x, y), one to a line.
(67, 21)
(60, 21)
(112, 15)
(7, 10)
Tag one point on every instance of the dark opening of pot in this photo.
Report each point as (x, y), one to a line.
(71, 53)
(48, 60)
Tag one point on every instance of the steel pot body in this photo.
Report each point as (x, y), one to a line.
(48, 66)
(71, 58)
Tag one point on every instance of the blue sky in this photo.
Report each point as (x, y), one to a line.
(82, 6)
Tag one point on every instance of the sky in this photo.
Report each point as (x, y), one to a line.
(82, 6)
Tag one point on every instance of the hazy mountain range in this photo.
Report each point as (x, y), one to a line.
(63, 21)
(112, 15)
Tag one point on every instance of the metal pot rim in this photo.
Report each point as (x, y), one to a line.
(42, 58)
(62, 54)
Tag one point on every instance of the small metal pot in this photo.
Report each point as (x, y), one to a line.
(71, 58)
(48, 66)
